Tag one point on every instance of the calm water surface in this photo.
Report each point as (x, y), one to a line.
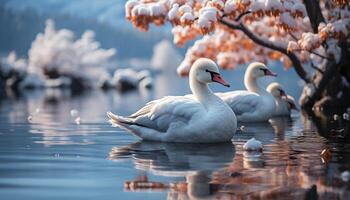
(46, 154)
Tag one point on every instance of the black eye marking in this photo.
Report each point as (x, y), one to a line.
(263, 69)
(212, 73)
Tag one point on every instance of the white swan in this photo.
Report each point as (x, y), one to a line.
(284, 102)
(254, 104)
(202, 119)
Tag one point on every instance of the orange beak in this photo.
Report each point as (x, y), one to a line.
(217, 78)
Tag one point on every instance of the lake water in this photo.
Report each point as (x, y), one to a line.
(45, 153)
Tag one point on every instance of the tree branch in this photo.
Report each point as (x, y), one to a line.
(316, 68)
(294, 59)
(313, 10)
(230, 25)
(242, 15)
(330, 70)
(317, 54)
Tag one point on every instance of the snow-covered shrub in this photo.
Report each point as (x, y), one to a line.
(12, 70)
(11, 64)
(56, 53)
(128, 79)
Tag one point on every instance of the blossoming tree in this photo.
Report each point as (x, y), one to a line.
(305, 34)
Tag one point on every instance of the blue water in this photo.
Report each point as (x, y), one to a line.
(46, 154)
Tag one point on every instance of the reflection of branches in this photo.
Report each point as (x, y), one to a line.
(144, 184)
(326, 126)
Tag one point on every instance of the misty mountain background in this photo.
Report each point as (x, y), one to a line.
(22, 20)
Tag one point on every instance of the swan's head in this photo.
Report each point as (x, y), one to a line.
(205, 70)
(291, 103)
(276, 90)
(257, 69)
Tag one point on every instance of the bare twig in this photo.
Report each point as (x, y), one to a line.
(293, 36)
(316, 68)
(322, 56)
(312, 52)
(242, 14)
(317, 54)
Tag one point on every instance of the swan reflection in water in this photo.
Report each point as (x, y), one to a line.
(288, 168)
(194, 162)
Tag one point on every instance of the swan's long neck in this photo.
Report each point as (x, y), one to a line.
(202, 92)
(251, 84)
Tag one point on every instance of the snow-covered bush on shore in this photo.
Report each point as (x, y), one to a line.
(57, 59)
(12, 64)
(129, 79)
(56, 53)
(12, 70)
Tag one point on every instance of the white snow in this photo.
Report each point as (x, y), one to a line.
(345, 176)
(253, 145)
(309, 40)
(61, 82)
(185, 9)
(340, 26)
(141, 10)
(185, 66)
(257, 5)
(286, 18)
(292, 46)
(200, 46)
(230, 6)
(172, 14)
(299, 7)
(207, 15)
(12, 63)
(187, 17)
(157, 9)
(310, 89)
(130, 79)
(130, 4)
(334, 50)
(58, 51)
(273, 4)
(125, 75)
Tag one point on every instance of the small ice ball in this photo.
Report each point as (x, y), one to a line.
(345, 176)
(253, 145)
(77, 120)
(74, 113)
(30, 118)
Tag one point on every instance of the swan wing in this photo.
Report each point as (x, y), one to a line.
(160, 114)
(241, 101)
